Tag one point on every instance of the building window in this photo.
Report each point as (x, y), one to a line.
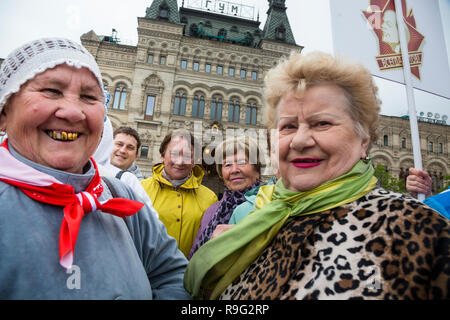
(196, 66)
(254, 75)
(280, 33)
(243, 73)
(150, 59)
(430, 146)
(150, 107)
(233, 111)
(164, 12)
(216, 108)
(183, 64)
(179, 107)
(222, 33)
(251, 112)
(162, 60)
(231, 71)
(440, 148)
(193, 29)
(144, 152)
(385, 141)
(208, 67)
(404, 143)
(120, 97)
(198, 106)
(219, 70)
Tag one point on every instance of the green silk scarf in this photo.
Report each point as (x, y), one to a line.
(221, 260)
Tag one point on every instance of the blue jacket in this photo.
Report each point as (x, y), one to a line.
(242, 210)
(440, 202)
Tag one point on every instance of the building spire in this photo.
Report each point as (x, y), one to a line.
(163, 10)
(277, 25)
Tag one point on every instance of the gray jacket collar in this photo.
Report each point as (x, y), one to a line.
(78, 181)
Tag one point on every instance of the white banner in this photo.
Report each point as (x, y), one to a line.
(366, 30)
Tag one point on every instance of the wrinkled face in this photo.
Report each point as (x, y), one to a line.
(178, 159)
(56, 119)
(317, 137)
(238, 173)
(124, 151)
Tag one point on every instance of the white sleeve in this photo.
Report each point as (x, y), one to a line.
(132, 181)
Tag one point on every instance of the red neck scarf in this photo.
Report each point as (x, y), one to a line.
(45, 188)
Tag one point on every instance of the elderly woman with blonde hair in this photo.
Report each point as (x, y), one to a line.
(326, 231)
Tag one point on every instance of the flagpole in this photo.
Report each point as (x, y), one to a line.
(409, 90)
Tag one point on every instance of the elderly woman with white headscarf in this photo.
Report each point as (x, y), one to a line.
(55, 207)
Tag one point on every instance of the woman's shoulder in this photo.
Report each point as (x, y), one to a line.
(208, 194)
(121, 189)
(393, 205)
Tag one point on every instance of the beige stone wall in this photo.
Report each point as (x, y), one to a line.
(129, 66)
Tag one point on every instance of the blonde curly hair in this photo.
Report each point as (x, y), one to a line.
(298, 72)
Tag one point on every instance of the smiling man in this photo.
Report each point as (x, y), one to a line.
(125, 150)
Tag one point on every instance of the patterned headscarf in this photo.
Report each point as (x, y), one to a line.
(231, 199)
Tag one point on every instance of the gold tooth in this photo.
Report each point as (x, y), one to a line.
(65, 136)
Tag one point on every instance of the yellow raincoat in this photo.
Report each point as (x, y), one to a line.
(180, 209)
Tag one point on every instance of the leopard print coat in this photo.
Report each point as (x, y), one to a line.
(385, 245)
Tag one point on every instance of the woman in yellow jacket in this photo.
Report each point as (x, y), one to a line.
(176, 190)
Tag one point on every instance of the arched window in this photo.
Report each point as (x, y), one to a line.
(234, 109)
(164, 11)
(120, 97)
(193, 29)
(385, 141)
(216, 108)
(144, 152)
(280, 33)
(251, 112)
(150, 58)
(198, 106)
(403, 143)
(179, 107)
(150, 107)
(440, 150)
(430, 146)
(222, 33)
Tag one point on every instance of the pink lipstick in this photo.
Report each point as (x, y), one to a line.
(306, 162)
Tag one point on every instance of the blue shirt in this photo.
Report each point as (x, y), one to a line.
(440, 202)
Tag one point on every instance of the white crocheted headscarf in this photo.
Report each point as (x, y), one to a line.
(39, 55)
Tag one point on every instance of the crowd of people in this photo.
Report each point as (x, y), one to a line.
(73, 197)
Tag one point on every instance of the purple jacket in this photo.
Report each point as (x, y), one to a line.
(207, 217)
